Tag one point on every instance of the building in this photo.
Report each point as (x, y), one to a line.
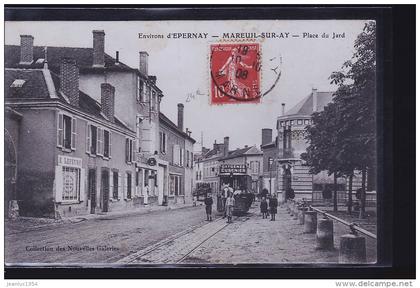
(136, 108)
(176, 149)
(72, 155)
(210, 164)
(242, 169)
(292, 172)
(270, 152)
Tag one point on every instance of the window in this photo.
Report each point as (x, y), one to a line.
(18, 83)
(115, 185)
(71, 184)
(292, 122)
(66, 132)
(175, 185)
(162, 139)
(129, 150)
(128, 185)
(306, 121)
(299, 122)
(181, 157)
(107, 143)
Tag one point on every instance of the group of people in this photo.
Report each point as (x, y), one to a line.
(269, 207)
(228, 202)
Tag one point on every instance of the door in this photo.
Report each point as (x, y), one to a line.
(160, 177)
(92, 190)
(287, 179)
(105, 190)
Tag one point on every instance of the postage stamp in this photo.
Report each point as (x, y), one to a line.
(235, 73)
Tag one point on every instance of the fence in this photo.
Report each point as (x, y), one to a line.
(342, 198)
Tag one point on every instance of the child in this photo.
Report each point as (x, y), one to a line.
(230, 202)
(264, 207)
(209, 202)
(273, 203)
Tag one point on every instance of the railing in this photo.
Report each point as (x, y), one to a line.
(342, 198)
(353, 226)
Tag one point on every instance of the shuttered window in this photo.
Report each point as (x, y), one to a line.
(66, 131)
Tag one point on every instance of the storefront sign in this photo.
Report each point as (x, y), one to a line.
(69, 161)
(233, 169)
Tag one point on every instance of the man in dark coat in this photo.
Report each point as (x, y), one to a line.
(208, 202)
(273, 203)
(264, 207)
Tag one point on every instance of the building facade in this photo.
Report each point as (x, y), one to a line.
(176, 149)
(138, 174)
(292, 171)
(70, 152)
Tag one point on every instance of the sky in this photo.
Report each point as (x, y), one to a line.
(182, 65)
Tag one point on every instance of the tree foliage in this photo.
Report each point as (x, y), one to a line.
(342, 137)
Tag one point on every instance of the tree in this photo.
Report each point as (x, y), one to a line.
(342, 138)
(355, 96)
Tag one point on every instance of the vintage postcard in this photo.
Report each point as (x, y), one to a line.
(190, 142)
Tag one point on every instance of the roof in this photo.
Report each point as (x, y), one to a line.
(36, 87)
(252, 150)
(174, 127)
(305, 106)
(83, 57)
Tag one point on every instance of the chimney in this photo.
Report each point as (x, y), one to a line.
(282, 108)
(314, 100)
(69, 80)
(266, 136)
(143, 63)
(108, 100)
(117, 57)
(98, 48)
(225, 146)
(181, 116)
(26, 49)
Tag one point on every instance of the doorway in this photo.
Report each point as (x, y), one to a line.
(287, 179)
(92, 189)
(105, 190)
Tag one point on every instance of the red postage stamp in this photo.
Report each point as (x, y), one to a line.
(235, 73)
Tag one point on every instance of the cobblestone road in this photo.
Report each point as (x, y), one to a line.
(178, 236)
(111, 238)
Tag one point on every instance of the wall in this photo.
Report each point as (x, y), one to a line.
(36, 151)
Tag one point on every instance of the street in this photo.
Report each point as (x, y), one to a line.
(175, 236)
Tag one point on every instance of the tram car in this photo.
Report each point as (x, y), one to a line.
(243, 201)
(202, 190)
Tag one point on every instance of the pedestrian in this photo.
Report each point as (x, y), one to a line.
(273, 207)
(209, 203)
(264, 207)
(194, 200)
(230, 202)
(225, 193)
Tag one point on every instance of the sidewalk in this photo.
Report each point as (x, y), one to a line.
(251, 239)
(24, 224)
